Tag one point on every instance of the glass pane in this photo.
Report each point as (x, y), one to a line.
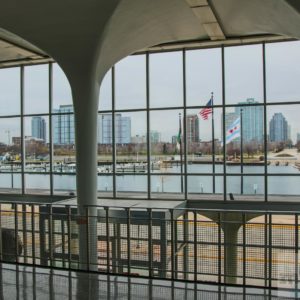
(10, 97)
(131, 146)
(10, 183)
(199, 141)
(166, 79)
(131, 186)
(63, 136)
(254, 185)
(37, 151)
(64, 184)
(37, 184)
(200, 186)
(105, 146)
(105, 97)
(245, 188)
(203, 76)
(283, 71)
(36, 89)
(62, 94)
(245, 132)
(166, 153)
(105, 185)
(233, 186)
(283, 188)
(244, 73)
(10, 144)
(130, 82)
(283, 129)
(166, 186)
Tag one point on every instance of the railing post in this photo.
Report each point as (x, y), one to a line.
(244, 248)
(175, 243)
(118, 246)
(270, 251)
(172, 245)
(266, 249)
(128, 242)
(296, 254)
(186, 244)
(107, 239)
(50, 223)
(1, 250)
(195, 248)
(220, 251)
(69, 212)
(24, 229)
(163, 247)
(63, 239)
(33, 233)
(42, 235)
(16, 233)
(87, 238)
(150, 243)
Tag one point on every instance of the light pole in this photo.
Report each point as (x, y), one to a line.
(241, 155)
(137, 147)
(11, 164)
(8, 136)
(180, 149)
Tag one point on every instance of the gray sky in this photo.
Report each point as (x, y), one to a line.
(243, 75)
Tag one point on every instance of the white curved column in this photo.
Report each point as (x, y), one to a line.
(85, 97)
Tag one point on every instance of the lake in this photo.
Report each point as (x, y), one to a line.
(284, 185)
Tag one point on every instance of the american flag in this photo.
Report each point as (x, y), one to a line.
(207, 110)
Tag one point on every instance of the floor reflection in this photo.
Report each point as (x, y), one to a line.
(20, 282)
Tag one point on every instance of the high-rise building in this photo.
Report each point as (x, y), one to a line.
(155, 137)
(174, 139)
(38, 128)
(63, 125)
(138, 139)
(278, 128)
(192, 128)
(298, 137)
(122, 129)
(289, 132)
(253, 120)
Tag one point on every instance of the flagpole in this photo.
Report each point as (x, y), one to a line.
(241, 154)
(213, 142)
(181, 161)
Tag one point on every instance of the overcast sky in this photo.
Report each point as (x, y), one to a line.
(243, 79)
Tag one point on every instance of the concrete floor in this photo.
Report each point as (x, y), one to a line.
(20, 282)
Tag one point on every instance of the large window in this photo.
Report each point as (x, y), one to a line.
(205, 124)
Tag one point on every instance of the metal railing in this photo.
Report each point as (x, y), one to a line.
(237, 247)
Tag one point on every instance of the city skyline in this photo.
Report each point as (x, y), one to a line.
(241, 83)
(68, 137)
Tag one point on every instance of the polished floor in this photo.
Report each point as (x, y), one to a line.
(20, 282)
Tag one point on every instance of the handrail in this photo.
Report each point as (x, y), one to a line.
(174, 244)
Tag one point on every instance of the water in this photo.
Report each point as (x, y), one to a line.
(284, 185)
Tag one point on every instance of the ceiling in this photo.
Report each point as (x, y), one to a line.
(190, 23)
(15, 51)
